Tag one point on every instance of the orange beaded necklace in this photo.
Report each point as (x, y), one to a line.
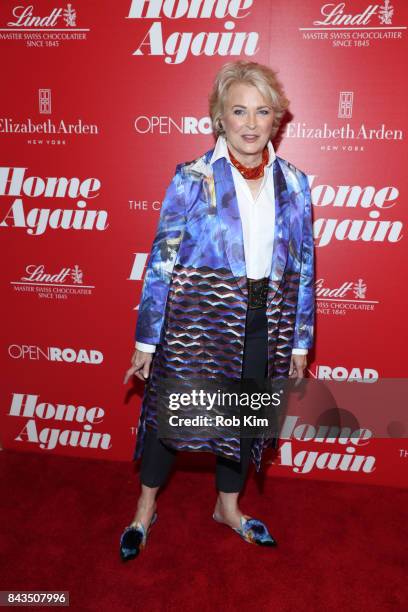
(251, 173)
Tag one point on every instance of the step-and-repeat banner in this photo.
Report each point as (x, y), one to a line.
(100, 101)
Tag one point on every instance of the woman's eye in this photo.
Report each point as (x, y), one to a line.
(240, 111)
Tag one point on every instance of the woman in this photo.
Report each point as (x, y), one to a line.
(229, 288)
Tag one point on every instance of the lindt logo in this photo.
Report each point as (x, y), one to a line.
(26, 18)
(37, 274)
(357, 288)
(336, 15)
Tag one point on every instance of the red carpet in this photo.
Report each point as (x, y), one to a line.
(340, 547)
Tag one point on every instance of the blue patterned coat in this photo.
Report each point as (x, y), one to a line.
(194, 297)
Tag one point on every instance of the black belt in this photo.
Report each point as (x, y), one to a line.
(257, 292)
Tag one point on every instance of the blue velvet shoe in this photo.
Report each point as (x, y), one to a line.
(134, 539)
(252, 531)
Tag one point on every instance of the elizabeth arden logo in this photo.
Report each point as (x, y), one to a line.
(40, 29)
(343, 26)
(60, 285)
(44, 101)
(345, 105)
(354, 135)
(350, 296)
(177, 46)
(343, 137)
(46, 131)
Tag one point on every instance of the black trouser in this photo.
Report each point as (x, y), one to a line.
(158, 459)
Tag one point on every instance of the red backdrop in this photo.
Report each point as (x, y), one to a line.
(106, 98)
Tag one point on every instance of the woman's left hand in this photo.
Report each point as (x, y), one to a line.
(298, 364)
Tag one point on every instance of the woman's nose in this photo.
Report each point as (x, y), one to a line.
(251, 120)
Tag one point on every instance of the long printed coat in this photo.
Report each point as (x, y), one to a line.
(194, 297)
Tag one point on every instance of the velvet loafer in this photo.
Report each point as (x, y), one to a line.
(134, 539)
(252, 531)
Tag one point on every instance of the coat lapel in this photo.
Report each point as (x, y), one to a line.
(281, 237)
(230, 219)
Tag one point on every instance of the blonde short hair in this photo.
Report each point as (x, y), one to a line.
(260, 76)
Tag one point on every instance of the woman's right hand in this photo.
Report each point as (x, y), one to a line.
(140, 367)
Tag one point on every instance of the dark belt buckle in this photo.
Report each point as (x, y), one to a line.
(257, 292)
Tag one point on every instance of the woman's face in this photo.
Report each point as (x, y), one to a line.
(247, 121)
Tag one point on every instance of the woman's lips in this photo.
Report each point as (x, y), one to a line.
(250, 138)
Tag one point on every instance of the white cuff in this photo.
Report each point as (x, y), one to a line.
(146, 348)
(299, 351)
